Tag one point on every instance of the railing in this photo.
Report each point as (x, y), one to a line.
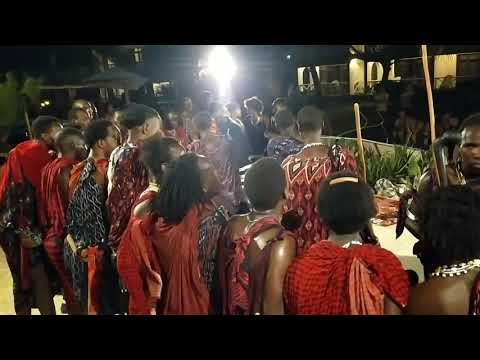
(328, 88)
(446, 82)
(342, 88)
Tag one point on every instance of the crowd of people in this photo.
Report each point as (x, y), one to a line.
(142, 214)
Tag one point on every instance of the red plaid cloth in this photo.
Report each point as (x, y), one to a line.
(331, 280)
(234, 279)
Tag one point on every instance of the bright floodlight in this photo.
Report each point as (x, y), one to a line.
(222, 67)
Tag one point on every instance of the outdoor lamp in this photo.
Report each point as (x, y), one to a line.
(222, 67)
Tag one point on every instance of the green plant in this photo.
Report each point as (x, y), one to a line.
(403, 165)
(13, 98)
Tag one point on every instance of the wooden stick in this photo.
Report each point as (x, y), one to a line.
(429, 92)
(27, 119)
(431, 110)
(356, 109)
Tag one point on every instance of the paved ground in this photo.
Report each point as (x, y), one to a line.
(6, 296)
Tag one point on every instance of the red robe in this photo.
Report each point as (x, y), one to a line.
(54, 223)
(184, 290)
(238, 297)
(129, 180)
(24, 163)
(331, 280)
(138, 267)
(305, 175)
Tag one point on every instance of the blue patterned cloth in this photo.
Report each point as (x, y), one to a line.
(281, 147)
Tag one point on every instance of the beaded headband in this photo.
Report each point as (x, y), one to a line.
(343, 180)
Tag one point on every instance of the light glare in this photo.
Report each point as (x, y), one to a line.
(222, 67)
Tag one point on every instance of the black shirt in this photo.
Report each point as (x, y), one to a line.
(236, 133)
(256, 136)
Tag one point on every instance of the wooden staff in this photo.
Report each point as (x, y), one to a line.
(430, 105)
(429, 92)
(27, 119)
(356, 109)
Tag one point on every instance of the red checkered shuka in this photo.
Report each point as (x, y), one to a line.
(237, 279)
(330, 280)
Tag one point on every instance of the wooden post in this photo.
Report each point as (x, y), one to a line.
(431, 110)
(429, 92)
(356, 109)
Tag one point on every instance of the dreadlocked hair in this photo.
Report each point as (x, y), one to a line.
(182, 189)
(452, 225)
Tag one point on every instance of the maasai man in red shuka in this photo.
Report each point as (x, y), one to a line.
(305, 173)
(451, 226)
(256, 251)
(128, 177)
(462, 169)
(340, 275)
(19, 199)
(137, 262)
(219, 150)
(86, 216)
(184, 228)
(71, 148)
(175, 128)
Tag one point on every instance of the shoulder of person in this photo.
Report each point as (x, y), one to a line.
(374, 253)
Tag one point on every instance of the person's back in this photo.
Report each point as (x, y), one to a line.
(255, 237)
(184, 230)
(54, 192)
(255, 250)
(305, 173)
(137, 262)
(325, 280)
(444, 296)
(451, 225)
(19, 210)
(340, 275)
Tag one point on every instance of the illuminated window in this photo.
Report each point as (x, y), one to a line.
(138, 55)
(163, 89)
(118, 92)
(110, 63)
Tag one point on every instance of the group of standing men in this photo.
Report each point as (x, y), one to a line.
(153, 211)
